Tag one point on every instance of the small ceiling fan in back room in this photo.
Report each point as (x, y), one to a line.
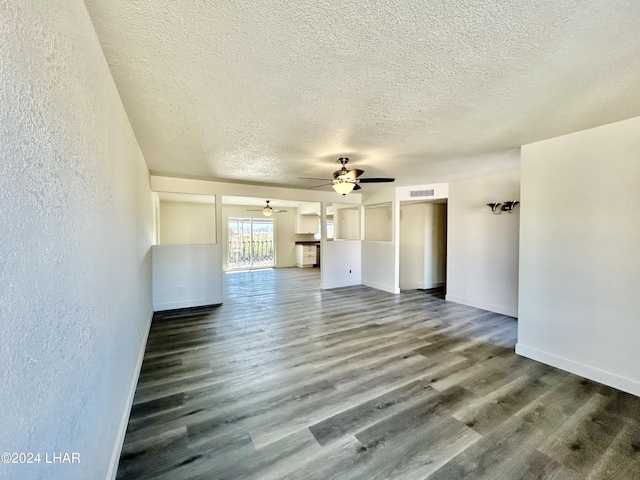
(344, 181)
(267, 210)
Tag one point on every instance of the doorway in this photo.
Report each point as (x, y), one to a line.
(423, 246)
(251, 243)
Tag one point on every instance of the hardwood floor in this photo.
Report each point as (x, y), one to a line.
(286, 381)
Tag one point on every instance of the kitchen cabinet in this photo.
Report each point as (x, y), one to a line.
(307, 224)
(305, 255)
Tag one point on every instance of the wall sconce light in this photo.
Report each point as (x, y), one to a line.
(509, 206)
(506, 206)
(494, 207)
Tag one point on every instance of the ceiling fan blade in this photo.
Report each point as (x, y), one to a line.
(353, 174)
(313, 178)
(357, 187)
(318, 186)
(376, 180)
(254, 210)
(279, 211)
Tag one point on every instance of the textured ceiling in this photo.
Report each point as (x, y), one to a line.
(269, 90)
(260, 202)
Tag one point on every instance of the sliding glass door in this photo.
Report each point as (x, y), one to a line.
(251, 243)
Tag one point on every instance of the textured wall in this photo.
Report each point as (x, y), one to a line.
(579, 254)
(76, 217)
(482, 248)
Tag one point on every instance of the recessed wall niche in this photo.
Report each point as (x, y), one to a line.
(377, 222)
(346, 221)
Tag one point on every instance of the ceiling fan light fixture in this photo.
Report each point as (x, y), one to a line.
(342, 185)
(267, 211)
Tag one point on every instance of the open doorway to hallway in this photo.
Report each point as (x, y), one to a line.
(423, 246)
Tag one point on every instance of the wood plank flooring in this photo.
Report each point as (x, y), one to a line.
(286, 381)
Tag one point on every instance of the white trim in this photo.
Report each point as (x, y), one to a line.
(198, 302)
(117, 449)
(607, 378)
(512, 312)
(340, 284)
(379, 286)
(431, 285)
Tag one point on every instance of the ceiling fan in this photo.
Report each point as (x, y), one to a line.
(267, 210)
(344, 181)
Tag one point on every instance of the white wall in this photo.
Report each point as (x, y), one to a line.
(341, 260)
(308, 209)
(156, 218)
(186, 276)
(346, 222)
(206, 187)
(396, 196)
(580, 254)
(412, 246)
(77, 224)
(378, 266)
(341, 263)
(423, 246)
(380, 258)
(377, 222)
(334, 255)
(402, 194)
(435, 251)
(187, 223)
(482, 248)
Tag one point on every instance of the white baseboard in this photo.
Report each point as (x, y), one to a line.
(511, 312)
(607, 378)
(339, 284)
(198, 302)
(379, 286)
(428, 286)
(117, 449)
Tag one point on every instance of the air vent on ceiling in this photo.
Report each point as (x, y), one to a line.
(422, 193)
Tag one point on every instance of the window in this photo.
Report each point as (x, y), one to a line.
(318, 235)
(251, 243)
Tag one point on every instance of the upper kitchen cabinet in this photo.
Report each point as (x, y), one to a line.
(307, 224)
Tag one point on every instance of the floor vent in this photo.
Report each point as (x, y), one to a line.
(422, 193)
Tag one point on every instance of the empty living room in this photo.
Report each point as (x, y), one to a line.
(319, 240)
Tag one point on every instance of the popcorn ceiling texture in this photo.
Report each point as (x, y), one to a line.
(268, 90)
(77, 225)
